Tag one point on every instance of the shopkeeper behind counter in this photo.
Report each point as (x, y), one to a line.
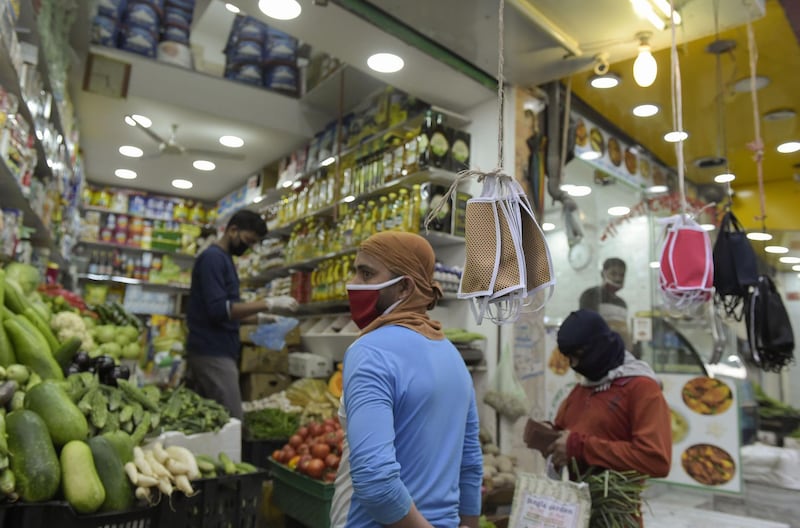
(215, 311)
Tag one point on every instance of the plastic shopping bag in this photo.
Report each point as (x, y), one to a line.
(273, 335)
(542, 502)
(505, 394)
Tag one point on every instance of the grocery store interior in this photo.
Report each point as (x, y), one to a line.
(132, 130)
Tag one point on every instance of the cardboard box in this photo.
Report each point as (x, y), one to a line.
(244, 333)
(256, 386)
(307, 365)
(293, 336)
(263, 360)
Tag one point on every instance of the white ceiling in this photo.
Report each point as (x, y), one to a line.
(206, 107)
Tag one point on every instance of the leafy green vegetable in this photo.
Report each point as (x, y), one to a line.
(270, 424)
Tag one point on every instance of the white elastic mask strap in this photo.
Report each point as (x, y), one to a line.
(356, 287)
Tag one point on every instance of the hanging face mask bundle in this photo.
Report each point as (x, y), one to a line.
(686, 276)
(507, 259)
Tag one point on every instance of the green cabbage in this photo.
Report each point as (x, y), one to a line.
(26, 275)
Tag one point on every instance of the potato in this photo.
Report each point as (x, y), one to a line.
(504, 464)
(504, 479)
(489, 471)
(491, 449)
(489, 460)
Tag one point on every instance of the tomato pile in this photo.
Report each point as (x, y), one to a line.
(314, 450)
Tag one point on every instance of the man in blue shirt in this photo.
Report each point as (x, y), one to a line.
(215, 310)
(411, 456)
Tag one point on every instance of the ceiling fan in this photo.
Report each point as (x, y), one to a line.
(171, 145)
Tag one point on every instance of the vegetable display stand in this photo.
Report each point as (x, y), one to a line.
(257, 452)
(302, 498)
(221, 502)
(61, 515)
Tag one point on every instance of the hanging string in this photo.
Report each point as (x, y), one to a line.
(500, 84)
(757, 146)
(677, 111)
(565, 130)
(722, 141)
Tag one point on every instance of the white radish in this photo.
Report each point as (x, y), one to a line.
(143, 494)
(184, 456)
(158, 470)
(146, 481)
(165, 486)
(182, 483)
(141, 462)
(159, 453)
(177, 468)
(133, 474)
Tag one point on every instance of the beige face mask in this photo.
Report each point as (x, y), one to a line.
(507, 259)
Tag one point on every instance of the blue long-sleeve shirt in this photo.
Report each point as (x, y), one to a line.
(214, 286)
(412, 432)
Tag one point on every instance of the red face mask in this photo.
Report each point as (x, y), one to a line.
(364, 301)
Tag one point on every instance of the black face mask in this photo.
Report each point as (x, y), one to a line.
(605, 353)
(238, 249)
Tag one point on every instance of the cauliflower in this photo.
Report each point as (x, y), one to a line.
(70, 324)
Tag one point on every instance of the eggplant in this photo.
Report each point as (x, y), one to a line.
(7, 390)
(122, 371)
(73, 368)
(103, 364)
(82, 360)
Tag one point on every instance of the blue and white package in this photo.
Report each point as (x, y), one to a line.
(144, 15)
(186, 5)
(139, 39)
(105, 31)
(158, 5)
(281, 77)
(252, 29)
(249, 73)
(177, 17)
(280, 46)
(176, 33)
(243, 51)
(111, 8)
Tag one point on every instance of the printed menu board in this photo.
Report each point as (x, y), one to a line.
(705, 432)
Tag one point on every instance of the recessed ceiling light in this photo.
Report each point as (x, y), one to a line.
(590, 155)
(707, 227)
(129, 121)
(603, 82)
(182, 184)
(790, 260)
(232, 8)
(349, 198)
(645, 110)
(548, 226)
(675, 136)
(231, 141)
(125, 174)
(656, 189)
(204, 165)
(280, 9)
(755, 235)
(743, 85)
(330, 160)
(776, 249)
(258, 199)
(131, 152)
(287, 184)
(142, 121)
(385, 62)
(796, 267)
(655, 264)
(580, 190)
(779, 114)
(789, 147)
(724, 178)
(619, 210)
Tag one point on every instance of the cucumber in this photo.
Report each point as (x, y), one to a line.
(33, 457)
(31, 348)
(67, 350)
(64, 420)
(82, 486)
(41, 325)
(110, 469)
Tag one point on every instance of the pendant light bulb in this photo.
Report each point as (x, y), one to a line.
(645, 67)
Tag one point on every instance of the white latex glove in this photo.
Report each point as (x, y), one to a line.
(282, 303)
(265, 318)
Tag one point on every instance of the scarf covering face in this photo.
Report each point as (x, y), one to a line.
(603, 349)
(410, 255)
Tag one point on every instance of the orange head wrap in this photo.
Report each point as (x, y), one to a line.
(410, 255)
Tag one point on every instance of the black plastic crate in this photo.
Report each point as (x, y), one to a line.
(257, 452)
(228, 501)
(61, 515)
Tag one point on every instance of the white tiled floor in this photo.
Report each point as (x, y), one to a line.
(667, 514)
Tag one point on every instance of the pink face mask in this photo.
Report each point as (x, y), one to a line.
(364, 301)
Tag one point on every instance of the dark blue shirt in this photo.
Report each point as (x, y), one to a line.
(214, 286)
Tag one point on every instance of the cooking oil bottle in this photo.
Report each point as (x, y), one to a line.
(371, 219)
(383, 215)
(358, 230)
(415, 209)
(400, 210)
